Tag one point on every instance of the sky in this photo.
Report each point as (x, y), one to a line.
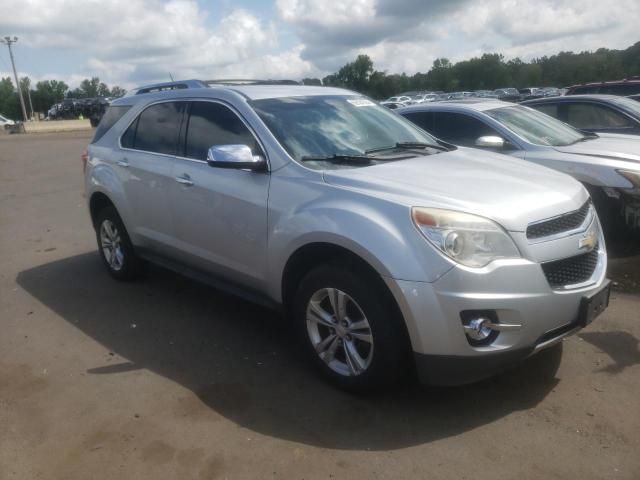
(133, 42)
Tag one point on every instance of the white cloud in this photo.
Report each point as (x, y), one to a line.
(406, 35)
(129, 42)
(133, 41)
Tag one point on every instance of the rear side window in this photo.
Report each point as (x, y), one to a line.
(156, 129)
(109, 119)
(214, 124)
(550, 109)
(584, 115)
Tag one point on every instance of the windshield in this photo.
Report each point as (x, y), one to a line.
(536, 127)
(323, 126)
(632, 106)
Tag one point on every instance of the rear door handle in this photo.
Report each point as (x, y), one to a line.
(185, 180)
(123, 163)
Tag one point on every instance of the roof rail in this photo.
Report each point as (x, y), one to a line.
(160, 87)
(244, 81)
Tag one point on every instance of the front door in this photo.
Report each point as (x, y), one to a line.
(219, 215)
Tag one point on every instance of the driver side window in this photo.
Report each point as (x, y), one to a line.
(215, 124)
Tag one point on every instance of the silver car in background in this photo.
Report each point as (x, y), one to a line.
(608, 165)
(389, 251)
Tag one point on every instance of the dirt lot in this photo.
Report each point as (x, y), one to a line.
(165, 378)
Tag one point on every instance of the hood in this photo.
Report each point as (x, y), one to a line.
(509, 191)
(618, 147)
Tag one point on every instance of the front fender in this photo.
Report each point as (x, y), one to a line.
(379, 231)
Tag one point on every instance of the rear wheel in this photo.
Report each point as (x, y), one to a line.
(350, 330)
(115, 247)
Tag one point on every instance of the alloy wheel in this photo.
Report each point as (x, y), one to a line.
(111, 244)
(339, 331)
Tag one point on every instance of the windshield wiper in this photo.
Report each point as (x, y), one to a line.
(408, 146)
(338, 158)
(586, 138)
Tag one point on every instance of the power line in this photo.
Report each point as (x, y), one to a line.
(8, 41)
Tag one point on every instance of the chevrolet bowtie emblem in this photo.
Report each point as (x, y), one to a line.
(588, 241)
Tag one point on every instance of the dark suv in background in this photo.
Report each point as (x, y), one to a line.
(593, 113)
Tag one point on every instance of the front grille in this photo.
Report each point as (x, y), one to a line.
(571, 271)
(563, 223)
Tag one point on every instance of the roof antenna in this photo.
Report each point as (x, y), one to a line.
(171, 76)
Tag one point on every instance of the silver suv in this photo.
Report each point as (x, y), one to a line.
(389, 251)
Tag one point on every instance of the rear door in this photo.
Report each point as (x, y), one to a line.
(148, 147)
(219, 215)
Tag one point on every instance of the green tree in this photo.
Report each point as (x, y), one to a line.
(48, 93)
(311, 81)
(442, 76)
(9, 103)
(117, 91)
(89, 87)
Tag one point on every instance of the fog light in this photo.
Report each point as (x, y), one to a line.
(478, 329)
(483, 326)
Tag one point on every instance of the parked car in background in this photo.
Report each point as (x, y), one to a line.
(531, 92)
(608, 165)
(392, 105)
(626, 87)
(593, 113)
(68, 109)
(423, 97)
(5, 122)
(552, 91)
(389, 251)
(485, 94)
(507, 94)
(397, 100)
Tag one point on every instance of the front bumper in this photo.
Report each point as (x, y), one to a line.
(518, 292)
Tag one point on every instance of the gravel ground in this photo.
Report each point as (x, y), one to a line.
(166, 378)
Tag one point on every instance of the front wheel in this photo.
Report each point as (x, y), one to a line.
(350, 329)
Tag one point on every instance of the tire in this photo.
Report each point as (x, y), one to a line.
(354, 355)
(115, 247)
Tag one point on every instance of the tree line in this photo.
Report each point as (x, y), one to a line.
(488, 72)
(47, 93)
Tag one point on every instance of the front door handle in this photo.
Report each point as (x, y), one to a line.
(184, 180)
(123, 163)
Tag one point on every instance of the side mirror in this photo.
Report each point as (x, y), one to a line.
(238, 157)
(493, 142)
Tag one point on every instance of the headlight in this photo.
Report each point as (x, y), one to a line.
(633, 177)
(468, 239)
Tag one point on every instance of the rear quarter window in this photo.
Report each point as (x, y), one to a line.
(109, 119)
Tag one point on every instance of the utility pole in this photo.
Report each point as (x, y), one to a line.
(30, 102)
(8, 41)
